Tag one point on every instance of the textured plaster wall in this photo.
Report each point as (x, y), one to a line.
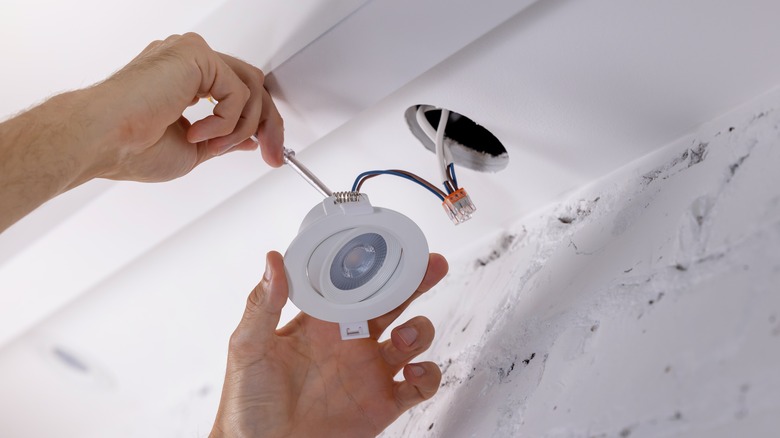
(647, 304)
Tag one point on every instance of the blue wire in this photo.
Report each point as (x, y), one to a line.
(390, 172)
(451, 169)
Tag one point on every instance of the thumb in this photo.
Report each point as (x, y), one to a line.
(263, 308)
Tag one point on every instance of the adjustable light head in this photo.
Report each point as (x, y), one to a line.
(352, 262)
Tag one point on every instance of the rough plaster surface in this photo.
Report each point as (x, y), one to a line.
(646, 304)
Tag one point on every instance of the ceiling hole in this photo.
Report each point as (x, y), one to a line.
(472, 145)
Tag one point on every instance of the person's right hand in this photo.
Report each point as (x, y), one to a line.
(140, 109)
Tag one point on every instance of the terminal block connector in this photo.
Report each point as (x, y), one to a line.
(458, 206)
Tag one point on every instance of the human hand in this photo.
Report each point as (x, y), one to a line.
(303, 380)
(142, 105)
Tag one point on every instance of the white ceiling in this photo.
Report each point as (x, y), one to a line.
(143, 283)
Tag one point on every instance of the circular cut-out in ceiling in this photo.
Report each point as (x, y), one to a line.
(472, 146)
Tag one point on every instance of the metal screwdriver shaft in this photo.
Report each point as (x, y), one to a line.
(305, 173)
(290, 160)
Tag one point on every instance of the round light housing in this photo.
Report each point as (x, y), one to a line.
(353, 262)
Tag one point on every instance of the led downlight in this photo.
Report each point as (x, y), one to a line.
(352, 262)
(358, 261)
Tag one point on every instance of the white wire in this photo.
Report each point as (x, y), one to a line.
(428, 130)
(440, 154)
(439, 146)
(422, 122)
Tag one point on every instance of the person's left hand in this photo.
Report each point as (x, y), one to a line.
(304, 381)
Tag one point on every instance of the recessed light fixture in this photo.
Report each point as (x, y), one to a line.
(352, 262)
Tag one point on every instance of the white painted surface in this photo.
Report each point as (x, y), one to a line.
(643, 305)
(385, 45)
(151, 279)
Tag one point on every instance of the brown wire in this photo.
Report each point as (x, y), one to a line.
(409, 174)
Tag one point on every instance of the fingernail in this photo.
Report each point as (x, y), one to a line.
(408, 335)
(417, 370)
(268, 273)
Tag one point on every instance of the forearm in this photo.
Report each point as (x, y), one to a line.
(47, 151)
(131, 127)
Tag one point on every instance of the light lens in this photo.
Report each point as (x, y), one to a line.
(358, 261)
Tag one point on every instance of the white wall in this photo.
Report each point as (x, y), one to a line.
(646, 304)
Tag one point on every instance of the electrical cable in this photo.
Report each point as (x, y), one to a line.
(400, 173)
(423, 123)
(442, 151)
(447, 171)
(439, 141)
(428, 130)
(451, 169)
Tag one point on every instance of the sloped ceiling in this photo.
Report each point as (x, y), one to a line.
(116, 301)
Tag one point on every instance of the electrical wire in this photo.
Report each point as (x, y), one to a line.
(400, 173)
(439, 141)
(444, 158)
(453, 178)
(428, 130)
(423, 123)
(443, 154)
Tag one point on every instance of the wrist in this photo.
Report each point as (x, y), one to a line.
(98, 130)
(79, 133)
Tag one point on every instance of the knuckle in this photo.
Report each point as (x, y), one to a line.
(241, 133)
(429, 385)
(427, 394)
(253, 113)
(193, 37)
(245, 92)
(259, 75)
(255, 299)
(220, 130)
(238, 341)
(172, 38)
(436, 382)
(151, 47)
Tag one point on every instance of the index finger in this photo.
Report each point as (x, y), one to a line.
(217, 79)
(437, 269)
(270, 132)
